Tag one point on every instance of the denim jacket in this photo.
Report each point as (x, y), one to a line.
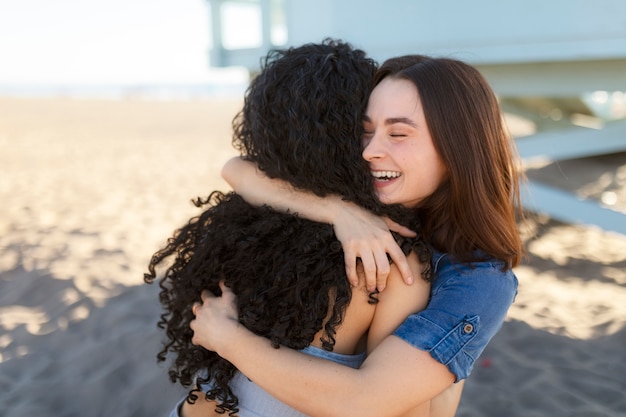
(468, 304)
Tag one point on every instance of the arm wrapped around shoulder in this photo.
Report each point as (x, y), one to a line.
(467, 308)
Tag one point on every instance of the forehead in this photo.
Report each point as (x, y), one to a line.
(394, 98)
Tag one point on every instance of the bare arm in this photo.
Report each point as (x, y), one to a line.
(362, 234)
(258, 189)
(395, 377)
(397, 302)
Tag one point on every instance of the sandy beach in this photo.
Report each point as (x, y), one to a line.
(89, 189)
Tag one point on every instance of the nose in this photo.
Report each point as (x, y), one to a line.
(372, 148)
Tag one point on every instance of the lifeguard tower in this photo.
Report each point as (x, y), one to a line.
(558, 64)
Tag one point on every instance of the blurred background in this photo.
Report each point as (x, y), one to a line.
(113, 115)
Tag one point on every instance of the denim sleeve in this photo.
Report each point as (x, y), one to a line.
(466, 309)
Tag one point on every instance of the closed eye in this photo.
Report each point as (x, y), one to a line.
(368, 133)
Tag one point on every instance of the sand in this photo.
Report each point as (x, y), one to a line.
(89, 189)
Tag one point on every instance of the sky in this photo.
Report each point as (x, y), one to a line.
(74, 42)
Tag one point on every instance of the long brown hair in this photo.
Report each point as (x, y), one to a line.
(474, 212)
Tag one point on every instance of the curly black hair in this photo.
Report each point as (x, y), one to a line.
(301, 122)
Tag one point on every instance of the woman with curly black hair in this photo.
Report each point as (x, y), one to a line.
(435, 140)
(301, 122)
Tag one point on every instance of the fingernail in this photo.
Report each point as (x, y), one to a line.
(409, 280)
(381, 288)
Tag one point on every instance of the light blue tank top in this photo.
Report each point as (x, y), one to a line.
(254, 401)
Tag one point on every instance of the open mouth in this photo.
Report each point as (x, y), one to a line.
(385, 175)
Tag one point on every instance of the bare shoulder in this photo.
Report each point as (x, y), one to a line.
(397, 302)
(201, 408)
(397, 289)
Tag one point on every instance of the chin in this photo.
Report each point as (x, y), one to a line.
(385, 200)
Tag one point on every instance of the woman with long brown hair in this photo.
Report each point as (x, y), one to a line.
(434, 140)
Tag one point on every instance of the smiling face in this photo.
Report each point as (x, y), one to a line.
(398, 146)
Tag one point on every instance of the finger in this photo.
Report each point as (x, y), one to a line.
(397, 227)
(382, 269)
(206, 295)
(226, 291)
(400, 260)
(350, 261)
(194, 338)
(229, 298)
(369, 268)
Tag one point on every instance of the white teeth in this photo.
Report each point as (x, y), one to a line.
(386, 174)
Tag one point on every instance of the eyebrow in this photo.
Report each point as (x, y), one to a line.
(395, 120)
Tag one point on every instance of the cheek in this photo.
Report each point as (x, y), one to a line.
(430, 174)
(435, 166)
(437, 173)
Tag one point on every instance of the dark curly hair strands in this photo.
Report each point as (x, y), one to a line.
(309, 90)
(282, 284)
(301, 122)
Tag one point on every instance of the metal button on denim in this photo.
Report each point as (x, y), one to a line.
(473, 299)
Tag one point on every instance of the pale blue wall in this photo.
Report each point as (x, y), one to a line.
(478, 31)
